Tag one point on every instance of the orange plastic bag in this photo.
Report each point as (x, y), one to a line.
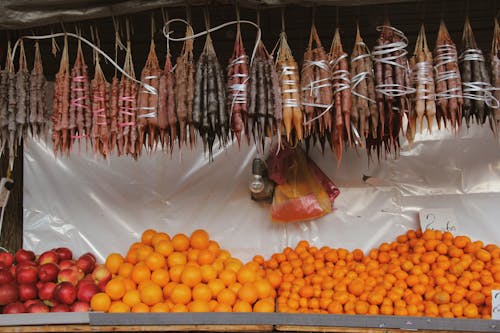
(299, 195)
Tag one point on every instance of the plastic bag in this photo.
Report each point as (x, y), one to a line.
(303, 191)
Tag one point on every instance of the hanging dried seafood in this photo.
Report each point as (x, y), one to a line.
(447, 81)
(316, 91)
(61, 135)
(476, 86)
(38, 107)
(264, 111)
(4, 102)
(184, 90)
(364, 112)
(147, 101)
(80, 113)
(237, 87)
(423, 80)
(392, 86)
(495, 77)
(288, 72)
(209, 107)
(341, 79)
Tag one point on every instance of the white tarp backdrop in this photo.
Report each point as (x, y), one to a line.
(103, 206)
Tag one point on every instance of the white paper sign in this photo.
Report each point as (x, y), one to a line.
(495, 304)
(443, 219)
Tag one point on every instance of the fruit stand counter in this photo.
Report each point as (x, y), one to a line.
(243, 322)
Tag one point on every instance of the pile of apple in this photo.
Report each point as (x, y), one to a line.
(50, 282)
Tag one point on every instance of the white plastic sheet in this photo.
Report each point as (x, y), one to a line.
(103, 206)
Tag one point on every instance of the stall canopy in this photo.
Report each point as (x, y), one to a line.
(22, 14)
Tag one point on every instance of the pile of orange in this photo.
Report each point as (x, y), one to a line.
(420, 274)
(180, 274)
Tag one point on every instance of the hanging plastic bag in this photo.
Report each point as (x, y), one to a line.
(303, 191)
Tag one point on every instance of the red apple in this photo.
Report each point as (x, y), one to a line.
(60, 308)
(30, 302)
(101, 273)
(48, 256)
(6, 276)
(65, 292)
(46, 291)
(67, 263)
(90, 255)
(38, 307)
(85, 290)
(6, 258)
(26, 274)
(80, 307)
(14, 308)
(64, 253)
(72, 275)
(27, 263)
(27, 291)
(86, 263)
(48, 272)
(8, 293)
(24, 255)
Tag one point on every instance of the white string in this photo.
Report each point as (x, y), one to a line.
(146, 86)
(167, 33)
(422, 77)
(446, 54)
(476, 90)
(341, 77)
(382, 54)
(359, 77)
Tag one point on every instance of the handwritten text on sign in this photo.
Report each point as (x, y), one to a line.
(495, 304)
(443, 219)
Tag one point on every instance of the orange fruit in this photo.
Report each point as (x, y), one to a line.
(199, 239)
(223, 307)
(264, 288)
(143, 252)
(191, 276)
(160, 307)
(118, 307)
(233, 264)
(159, 237)
(246, 274)
(160, 276)
(140, 307)
(199, 306)
(208, 273)
(263, 305)
(164, 247)
(115, 289)
(175, 272)
(274, 278)
(100, 302)
(155, 260)
(226, 296)
(131, 298)
(242, 306)
(180, 242)
(335, 308)
(151, 294)
(179, 308)
(248, 293)
(356, 287)
(202, 292)
(129, 283)
(180, 294)
(140, 273)
(213, 246)
(113, 262)
(176, 258)
(205, 257)
(147, 236)
(216, 285)
(228, 277)
(125, 269)
(471, 311)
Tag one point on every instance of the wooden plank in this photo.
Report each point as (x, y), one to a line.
(11, 235)
(289, 328)
(159, 328)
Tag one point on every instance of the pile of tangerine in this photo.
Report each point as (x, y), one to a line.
(183, 274)
(427, 273)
